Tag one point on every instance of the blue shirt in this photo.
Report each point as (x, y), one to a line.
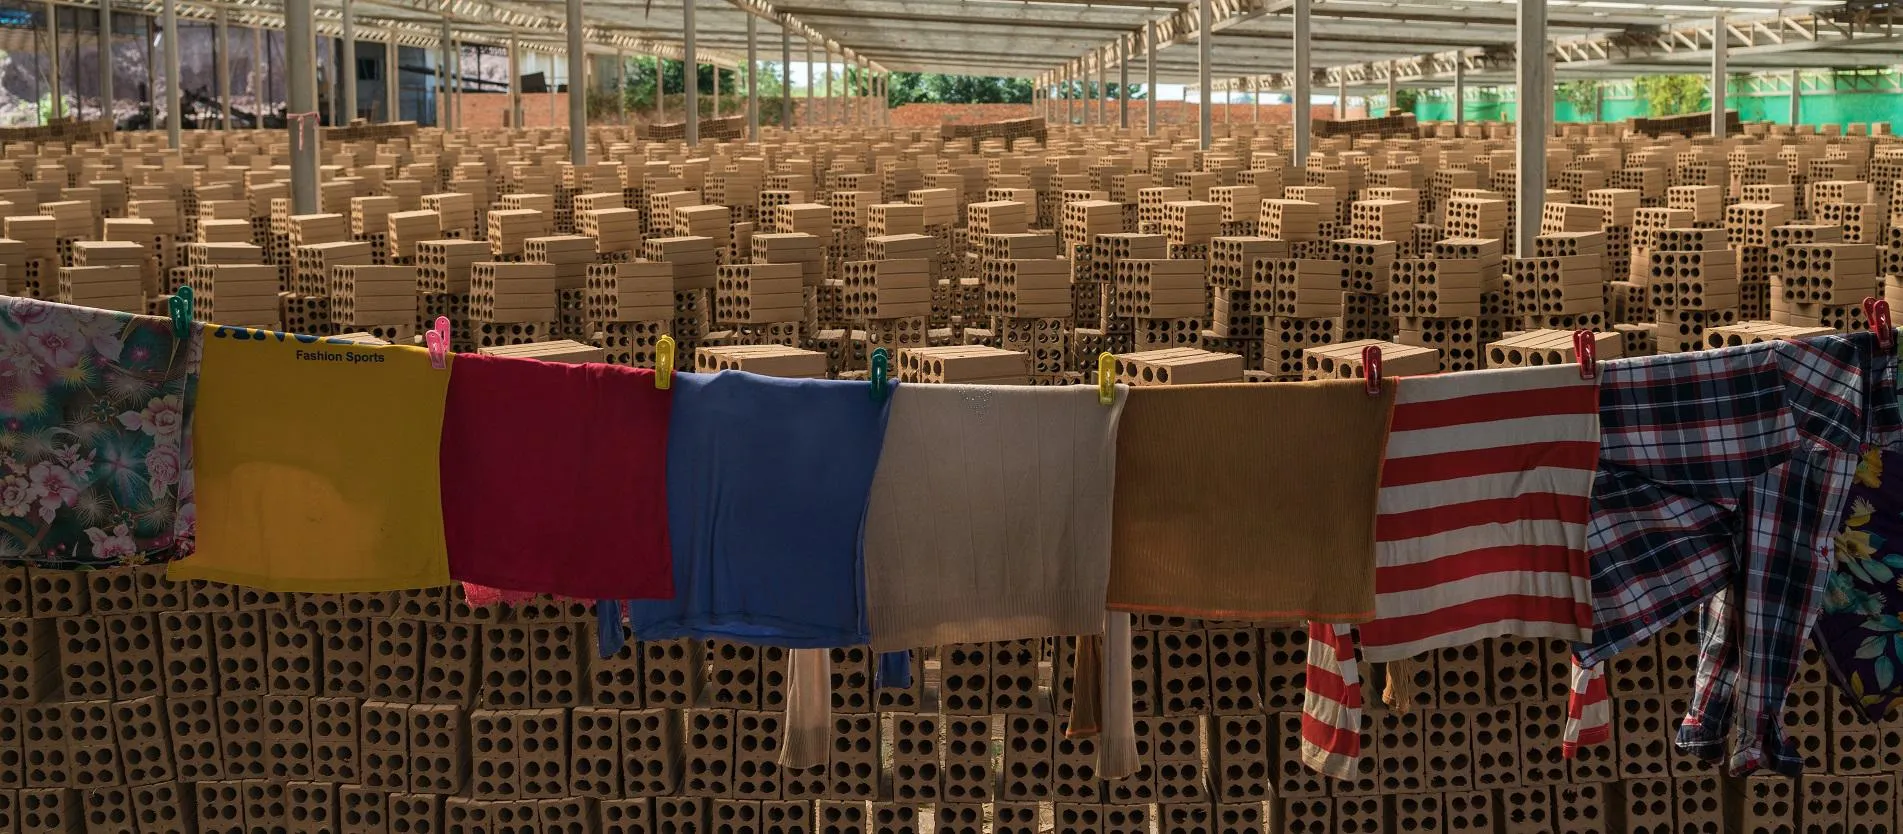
(767, 485)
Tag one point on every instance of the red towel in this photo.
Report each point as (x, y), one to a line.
(555, 478)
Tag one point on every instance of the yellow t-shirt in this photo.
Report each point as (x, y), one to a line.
(317, 465)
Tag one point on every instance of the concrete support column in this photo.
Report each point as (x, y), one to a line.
(1797, 97)
(1205, 44)
(174, 108)
(1302, 114)
(302, 85)
(515, 81)
(1149, 80)
(1720, 43)
(691, 66)
(1123, 84)
(1341, 96)
(1535, 123)
(812, 118)
(392, 104)
(1255, 101)
(577, 87)
(621, 86)
(53, 62)
(660, 89)
(1391, 90)
(222, 62)
(443, 102)
(349, 68)
(753, 82)
(105, 61)
(1460, 97)
(786, 78)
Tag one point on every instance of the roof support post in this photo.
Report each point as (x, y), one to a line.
(105, 61)
(753, 81)
(515, 82)
(1797, 96)
(1255, 101)
(690, 65)
(1205, 43)
(660, 89)
(53, 62)
(1103, 92)
(577, 88)
(786, 81)
(811, 118)
(349, 68)
(621, 86)
(1304, 77)
(1536, 123)
(1149, 80)
(1390, 99)
(222, 63)
(1720, 42)
(1341, 96)
(174, 115)
(1123, 84)
(1460, 97)
(302, 85)
(392, 105)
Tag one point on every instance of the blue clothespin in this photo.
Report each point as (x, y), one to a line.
(180, 306)
(880, 370)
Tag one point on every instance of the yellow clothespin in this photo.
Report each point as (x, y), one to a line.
(1106, 378)
(664, 363)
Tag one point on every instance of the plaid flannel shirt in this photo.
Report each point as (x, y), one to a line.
(1722, 479)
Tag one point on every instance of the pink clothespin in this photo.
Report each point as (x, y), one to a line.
(296, 121)
(1371, 369)
(1586, 350)
(1876, 312)
(436, 341)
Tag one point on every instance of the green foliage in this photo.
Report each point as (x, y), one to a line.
(1583, 95)
(1671, 95)
(1405, 99)
(915, 87)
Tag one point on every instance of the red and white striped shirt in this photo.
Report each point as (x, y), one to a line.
(1480, 532)
(1481, 523)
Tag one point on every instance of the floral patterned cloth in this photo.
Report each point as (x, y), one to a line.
(95, 425)
(1861, 631)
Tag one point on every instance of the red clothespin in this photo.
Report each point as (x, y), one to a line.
(1586, 350)
(1371, 369)
(436, 341)
(1876, 312)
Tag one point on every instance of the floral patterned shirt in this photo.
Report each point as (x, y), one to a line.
(95, 427)
(1861, 632)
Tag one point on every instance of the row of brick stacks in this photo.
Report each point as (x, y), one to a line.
(1007, 256)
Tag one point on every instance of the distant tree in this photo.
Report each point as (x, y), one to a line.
(1670, 95)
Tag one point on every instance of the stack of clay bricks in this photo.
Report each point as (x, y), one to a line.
(1011, 256)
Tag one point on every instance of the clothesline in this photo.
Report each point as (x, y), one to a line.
(815, 514)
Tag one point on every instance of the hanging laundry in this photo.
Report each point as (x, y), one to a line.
(554, 478)
(1484, 499)
(317, 465)
(1722, 480)
(767, 482)
(1331, 702)
(1248, 502)
(990, 515)
(1480, 532)
(96, 410)
(1861, 630)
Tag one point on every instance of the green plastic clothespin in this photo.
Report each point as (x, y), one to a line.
(880, 370)
(180, 306)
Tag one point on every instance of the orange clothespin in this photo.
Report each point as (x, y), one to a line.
(436, 341)
(664, 363)
(1876, 312)
(1371, 369)
(1586, 350)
